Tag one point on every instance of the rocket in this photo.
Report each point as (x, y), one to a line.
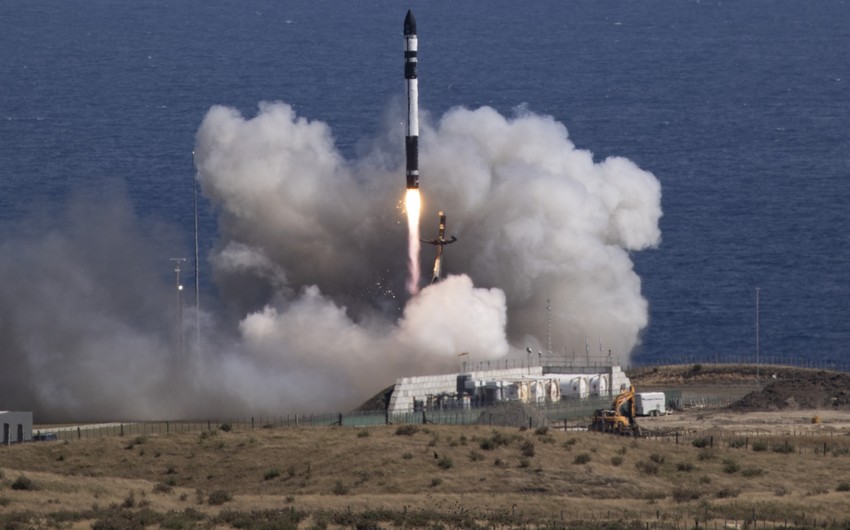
(411, 140)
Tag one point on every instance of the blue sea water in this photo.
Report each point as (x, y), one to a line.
(739, 108)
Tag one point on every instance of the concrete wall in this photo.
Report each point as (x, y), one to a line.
(15, 427)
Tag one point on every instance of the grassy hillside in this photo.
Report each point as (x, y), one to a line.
(412, 476)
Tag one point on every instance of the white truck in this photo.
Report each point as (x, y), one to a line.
(650, 404)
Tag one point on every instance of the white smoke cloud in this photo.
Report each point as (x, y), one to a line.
(310, 267)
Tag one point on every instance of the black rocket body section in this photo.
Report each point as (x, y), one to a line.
(411, 140)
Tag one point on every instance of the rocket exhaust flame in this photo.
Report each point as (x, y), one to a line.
(413, 205)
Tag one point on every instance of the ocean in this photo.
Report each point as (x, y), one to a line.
(740, 109)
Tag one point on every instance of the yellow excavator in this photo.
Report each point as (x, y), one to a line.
(620, 419)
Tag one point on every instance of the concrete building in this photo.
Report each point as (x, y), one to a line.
(15, 427)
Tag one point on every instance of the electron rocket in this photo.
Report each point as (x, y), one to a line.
(411, 140)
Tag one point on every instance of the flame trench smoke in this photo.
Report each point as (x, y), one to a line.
(306, 269)
(413, 205)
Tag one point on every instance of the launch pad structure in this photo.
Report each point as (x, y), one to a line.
(528, 384)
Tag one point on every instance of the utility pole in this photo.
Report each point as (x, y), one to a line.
(179, 289)
(197, 265)
(758, 353)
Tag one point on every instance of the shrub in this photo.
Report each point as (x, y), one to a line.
(161, 487)
(271, 473)
(657, 458)
(581, 458)
(524, 462)
(685, 495)
(783, 448)
(527, 448)
(445, 463)
(406, 430)
(647, 468)
(226, 427)
(843, 486)
(436, 482)
(737, 443)
(752, 472)
(475, 456)
(686, 467)
(781, 491)
(570, 441)
(705, 479)
(705, 455)
(540, 431)
(727, 493)
(616, 460)
(622, 450)
(497, 439)
(730, 466)
(759, 446)
(219, 497)
(339, 488)
(129, 501)
(432, 442)
(700, 443)
(24, 483)
(170, 470)
(363, 433)
(462, 439)
(407, 456)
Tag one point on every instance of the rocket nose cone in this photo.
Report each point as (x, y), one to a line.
(409, 23)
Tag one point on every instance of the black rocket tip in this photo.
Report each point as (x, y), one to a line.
(409, 23)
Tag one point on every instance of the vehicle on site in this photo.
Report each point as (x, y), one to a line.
(650, 404)
(620, 419)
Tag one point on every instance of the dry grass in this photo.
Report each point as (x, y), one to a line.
(325, 471)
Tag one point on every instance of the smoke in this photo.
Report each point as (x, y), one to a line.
(310, 267)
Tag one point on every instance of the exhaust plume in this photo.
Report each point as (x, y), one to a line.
(310, 270)
(413, 205)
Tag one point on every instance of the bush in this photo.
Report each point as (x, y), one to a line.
(843, 486)
(622, 450)
(657, 458)
(737, 443)
(524, 463)
(569, 441)
(647, 468)
(271, 473)
(161, 487)
(226, 427)
(23, 483)
(727, 493)
(406, 430)
(363, 433)
(497, 439)
(407, 456)
(475, 456)
(730, 466)
(527, 448)
(684, 495)
(781, 491)
(445, 463)
(705, 455)
(616, 460)
(701, 443)
(219, 497)
(759, 446)
(686, 467)
(752, 472)
(339, 488)
(436, 482)
(540, 431)
(581, 458)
